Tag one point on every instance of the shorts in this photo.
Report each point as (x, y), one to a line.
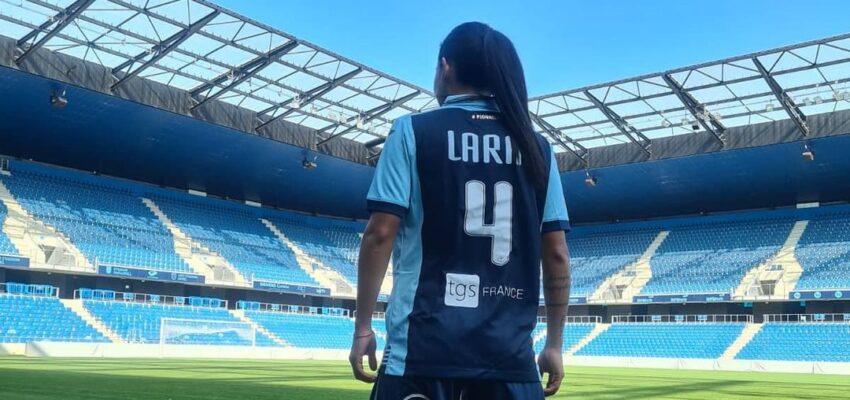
(389, 387)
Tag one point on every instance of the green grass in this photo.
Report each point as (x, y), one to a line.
(90, 379)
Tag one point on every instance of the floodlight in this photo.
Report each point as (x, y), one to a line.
(58, 100)
(590, 180)
(808, 154)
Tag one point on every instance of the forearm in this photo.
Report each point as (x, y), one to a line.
(375, 251)
(556, 295)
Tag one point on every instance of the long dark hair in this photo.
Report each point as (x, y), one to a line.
(486, 60)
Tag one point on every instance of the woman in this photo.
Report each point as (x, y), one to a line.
(471, 199)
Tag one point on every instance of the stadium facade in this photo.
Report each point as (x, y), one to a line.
(199, 180)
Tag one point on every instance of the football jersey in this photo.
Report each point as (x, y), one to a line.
(466, 261)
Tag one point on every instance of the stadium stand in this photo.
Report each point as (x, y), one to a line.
(800, 341)
(664, 339)
(334, 242)
(597, 256)
(109, 224)
(713, 258)
(137, 318)
(237, 235)
(573, 333)
(6, 246)
(309, 331)
(33, 313)
(824, 253)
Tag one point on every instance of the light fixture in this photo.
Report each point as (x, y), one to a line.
(769, 107)
(807, 101)
(685, 122)
(309, 164)
(808, 154)
(360, 124)
(58, 100)
(296, 103)
(665, 123)
(590, 180)
(818, 100)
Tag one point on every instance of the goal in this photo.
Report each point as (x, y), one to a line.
(202, 332)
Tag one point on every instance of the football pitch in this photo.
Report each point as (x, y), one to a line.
(72, 379)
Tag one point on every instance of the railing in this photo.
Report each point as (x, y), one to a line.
(577, 319)
(807, 318)
(696, 318)
(24, 289)
(127, 297)
(293, 309)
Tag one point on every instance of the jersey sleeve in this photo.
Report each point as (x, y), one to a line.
(555, 216)
(391, 185)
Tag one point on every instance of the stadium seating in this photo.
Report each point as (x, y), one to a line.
(336, 243)
(824, 253)
(107, 223)
(665, 340)
(596, 257)
(141, 322)
(40, 317)
(6, 246)
(713, 258)
(237, 235)
(824, 341)
(307, 330)
(573, 333)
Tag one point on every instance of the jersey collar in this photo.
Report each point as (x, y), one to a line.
(470, 102)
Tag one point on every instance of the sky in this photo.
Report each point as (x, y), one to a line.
(563, 44)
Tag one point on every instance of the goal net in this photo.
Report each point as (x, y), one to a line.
(174, 331)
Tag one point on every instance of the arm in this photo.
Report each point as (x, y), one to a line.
(375, 250)
(556, 286)
(556, 277)
(556, 294)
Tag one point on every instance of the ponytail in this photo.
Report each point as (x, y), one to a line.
(486, 60)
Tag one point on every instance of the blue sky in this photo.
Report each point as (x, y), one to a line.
(563, 44)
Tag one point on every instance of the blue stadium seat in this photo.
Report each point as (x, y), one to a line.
(108, 223)
(713, 258)
(593, 258)
(336, 243)
(824, 341)
(141, 322)
(824, 253)
(573, 333)
(664, 340)
(309, 331)
(238, 235)
(6, 246)
(39, 317)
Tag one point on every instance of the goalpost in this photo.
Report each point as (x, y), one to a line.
(203, 332)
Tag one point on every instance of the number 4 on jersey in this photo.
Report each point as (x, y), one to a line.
(500, 230)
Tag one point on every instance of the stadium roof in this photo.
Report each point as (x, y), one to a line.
(791, 82)
(214, 53)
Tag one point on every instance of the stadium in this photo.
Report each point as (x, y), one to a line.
(182, 197)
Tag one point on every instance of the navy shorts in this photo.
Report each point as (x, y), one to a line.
(389, 387)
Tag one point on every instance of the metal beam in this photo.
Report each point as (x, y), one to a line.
(553, 132)
(306, 97)
(160, 50)
(697, 109)
(785, 100)
(370, 115)
(59, 22)
(242, 73)
(629, 131)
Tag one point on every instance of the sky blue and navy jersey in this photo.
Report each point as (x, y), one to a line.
(467, 256)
